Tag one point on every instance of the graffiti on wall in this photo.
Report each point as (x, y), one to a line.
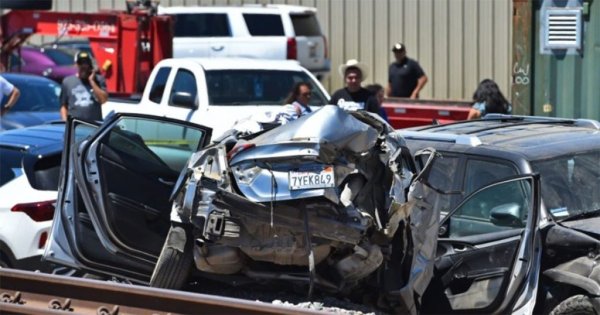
(521, 74)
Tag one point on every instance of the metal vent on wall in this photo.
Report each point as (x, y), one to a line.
(563, 29)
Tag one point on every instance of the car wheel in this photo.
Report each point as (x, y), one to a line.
(175, 260)
(577, 304)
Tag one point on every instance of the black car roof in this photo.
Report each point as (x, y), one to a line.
(534, 137)
(41, 139)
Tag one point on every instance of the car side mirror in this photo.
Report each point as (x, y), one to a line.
(506, 215)
(183, 99)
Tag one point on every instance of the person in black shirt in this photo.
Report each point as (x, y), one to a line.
(83, 93)
(406, 78)
(354, 73)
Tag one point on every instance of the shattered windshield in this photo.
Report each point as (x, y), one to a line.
(570, 183)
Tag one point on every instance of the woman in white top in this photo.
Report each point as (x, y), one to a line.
(299, 98)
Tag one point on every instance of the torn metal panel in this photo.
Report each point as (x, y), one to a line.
(332, 127)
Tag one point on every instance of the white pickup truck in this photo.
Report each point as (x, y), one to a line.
(219, 92)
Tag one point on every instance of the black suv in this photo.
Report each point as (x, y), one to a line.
(487, 241)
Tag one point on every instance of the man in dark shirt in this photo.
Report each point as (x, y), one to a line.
(405, 76)
(82, 94)
(354, 73)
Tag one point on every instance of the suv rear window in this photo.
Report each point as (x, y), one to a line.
(264, 24)
(202, 25)
(306, 25)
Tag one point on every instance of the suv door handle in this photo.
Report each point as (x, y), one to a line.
(217, 48)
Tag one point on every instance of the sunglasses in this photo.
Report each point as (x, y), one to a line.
(308, 94)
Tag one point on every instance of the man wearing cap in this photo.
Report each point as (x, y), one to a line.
(354, 72)
(406, 78)
(83, 93)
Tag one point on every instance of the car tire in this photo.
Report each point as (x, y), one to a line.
(577, 304)
(175, 261)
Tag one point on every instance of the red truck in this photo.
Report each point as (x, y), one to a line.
(126, 44)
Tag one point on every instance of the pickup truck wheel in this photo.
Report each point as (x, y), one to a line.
(577, 304)
(175, 260)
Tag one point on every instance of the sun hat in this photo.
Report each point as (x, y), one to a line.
(353, 63)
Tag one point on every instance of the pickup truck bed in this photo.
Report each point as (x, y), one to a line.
(405, 113)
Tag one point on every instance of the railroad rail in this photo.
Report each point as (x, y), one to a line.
(25, 292)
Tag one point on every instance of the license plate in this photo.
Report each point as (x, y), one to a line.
(319, 178)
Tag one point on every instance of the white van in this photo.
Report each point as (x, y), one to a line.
(251, 31)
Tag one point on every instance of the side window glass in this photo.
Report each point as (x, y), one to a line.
(480, 173)
(441, 178)
(499, 207)
(443, 172)
(157, 143)
(184, 92)
(158, 86)
(202, 25)
(264, 24)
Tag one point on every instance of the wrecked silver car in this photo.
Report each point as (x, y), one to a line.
(320, 200)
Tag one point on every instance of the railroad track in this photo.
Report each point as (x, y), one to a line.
(24, 292)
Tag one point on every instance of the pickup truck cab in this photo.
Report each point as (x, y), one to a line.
(219, 92)
(253, 31)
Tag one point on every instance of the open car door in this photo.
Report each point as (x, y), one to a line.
(113, 207)
(486, 259)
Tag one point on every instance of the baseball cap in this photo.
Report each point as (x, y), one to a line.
(83, 57)
(398, 47)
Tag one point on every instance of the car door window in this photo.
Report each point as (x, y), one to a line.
(158, 86)
(442, 177)
(162, 144)
(202, 25)
(184, 83)
(496, 208)
(479, 173)
(264, 24)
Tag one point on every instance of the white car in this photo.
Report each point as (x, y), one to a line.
(29, 170)
(251, 31)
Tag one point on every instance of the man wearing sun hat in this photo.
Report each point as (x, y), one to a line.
(354, 72)
(406, 78)
(82, 94)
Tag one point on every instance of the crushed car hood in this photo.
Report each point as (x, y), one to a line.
(330, 126)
